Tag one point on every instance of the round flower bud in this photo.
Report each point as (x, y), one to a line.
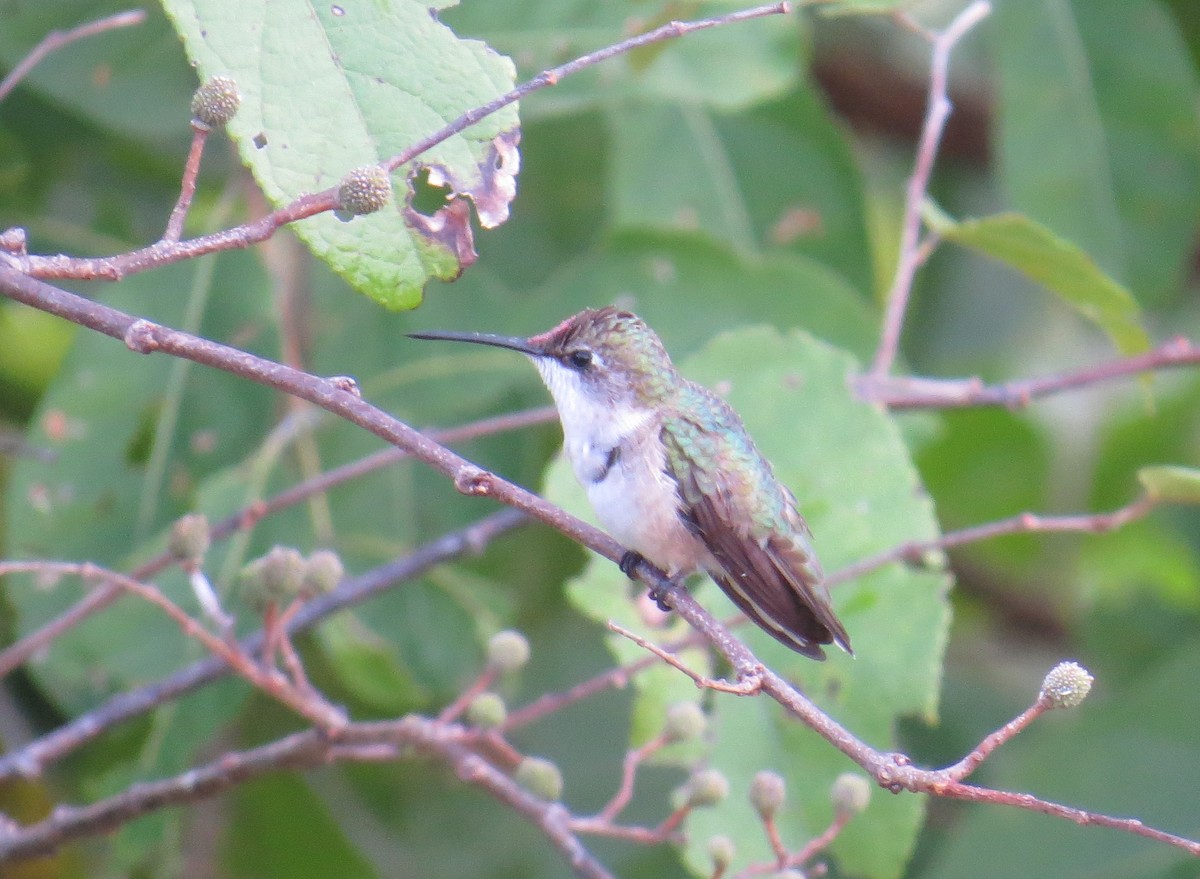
(850, 793)
(216, 102)
(685, 722)
(721, 850)
(706, 788)
(274, 578)
(487, 711)
(322, 572)
(190, 538)
(540, 777)
(767, 792)
(365, 190)
(1066, 685)
(508, 650)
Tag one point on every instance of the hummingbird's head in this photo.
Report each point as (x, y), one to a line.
(601, 356)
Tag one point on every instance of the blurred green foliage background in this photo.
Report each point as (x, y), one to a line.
(748, 175)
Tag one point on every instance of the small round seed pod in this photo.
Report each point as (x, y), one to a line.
(508, 650)
(685, 722)
(365, 190)
(322, 572)
(540, 777)
(767, 793)
(487, 711)
(190, 538)
(216, 102)
(1066, 685)
(706, 788)
(850, 793)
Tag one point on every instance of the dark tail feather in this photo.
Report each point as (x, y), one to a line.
(785, 618)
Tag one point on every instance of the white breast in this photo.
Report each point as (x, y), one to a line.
(618, 458)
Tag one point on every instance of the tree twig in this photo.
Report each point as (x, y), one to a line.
(369, 741)
(915, 392)
(912, 252)
(55, 40)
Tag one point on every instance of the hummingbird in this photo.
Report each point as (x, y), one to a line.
(673, 475)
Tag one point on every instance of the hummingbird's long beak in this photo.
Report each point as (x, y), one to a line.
(516, 343)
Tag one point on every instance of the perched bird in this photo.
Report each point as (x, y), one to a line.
(673, 475)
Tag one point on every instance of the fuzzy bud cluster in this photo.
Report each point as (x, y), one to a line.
(190, 538)
(365, 190)
(540, 777)
(283, 574)
(767, 793)
(708, 787)
(216, 102)
(1066, 685)
(508, 651)
(685, 722)
(850, 793)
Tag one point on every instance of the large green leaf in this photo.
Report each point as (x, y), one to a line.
(1145, 90)
(849, 468)
(685, 166)
(1051, 144)
(327, 88)
(1098, 129)
(1061, 267)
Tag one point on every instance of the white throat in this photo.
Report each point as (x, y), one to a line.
(592, 426)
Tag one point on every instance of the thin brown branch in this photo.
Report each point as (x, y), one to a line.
(995, 739)
(670, 30)
(1024, 523)
(914, 392)
(145, 337)
(367, 741)
(1082, 817)
(187, 186)
(909, 551)
(746, 685)
(55, 40)
(634, 758)
(819, 843)
(911, 252)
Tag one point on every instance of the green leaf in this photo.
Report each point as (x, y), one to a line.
(1145, 88)
(1175, 485)
(281, 828)
(1060, 267)
(368, 666)
(860, 7)
(330, 88)
(687, 167)
(1054, 161)
(848, 466)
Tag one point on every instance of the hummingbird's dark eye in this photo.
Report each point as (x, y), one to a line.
(581, 358)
